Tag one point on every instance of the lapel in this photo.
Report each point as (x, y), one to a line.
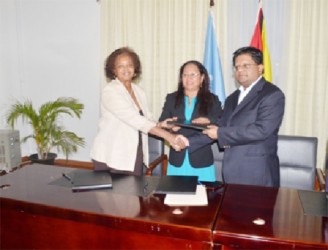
(235, 99)
(251, 95)
(180, 109)
(124, 93)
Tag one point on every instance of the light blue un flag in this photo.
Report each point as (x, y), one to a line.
(212, 61)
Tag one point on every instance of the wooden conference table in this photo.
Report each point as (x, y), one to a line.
(39, 215)
(39, 212)
(268, 218)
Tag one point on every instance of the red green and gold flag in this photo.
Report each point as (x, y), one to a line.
(259, 41)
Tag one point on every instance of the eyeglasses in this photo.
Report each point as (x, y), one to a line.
(191, 75)
(243, 66)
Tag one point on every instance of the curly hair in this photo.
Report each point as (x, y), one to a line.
(204, 96)
(110, 62)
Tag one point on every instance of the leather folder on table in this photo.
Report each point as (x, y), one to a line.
(177, 185)
(83, 180)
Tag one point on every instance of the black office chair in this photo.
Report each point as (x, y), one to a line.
(157, 157)
(298, 159)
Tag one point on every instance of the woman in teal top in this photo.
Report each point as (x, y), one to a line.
(194, 103)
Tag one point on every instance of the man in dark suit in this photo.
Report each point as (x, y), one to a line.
(248, 128)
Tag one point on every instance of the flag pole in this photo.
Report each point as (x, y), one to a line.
(212, 60)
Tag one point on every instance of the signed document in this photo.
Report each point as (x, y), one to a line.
(197, 199)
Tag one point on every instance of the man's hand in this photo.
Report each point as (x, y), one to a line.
(211, 131)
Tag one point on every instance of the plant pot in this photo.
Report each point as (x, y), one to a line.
(48, 161)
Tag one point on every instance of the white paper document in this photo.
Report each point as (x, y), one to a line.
(197, 199)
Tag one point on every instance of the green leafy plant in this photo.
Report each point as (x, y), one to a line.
(47, 132)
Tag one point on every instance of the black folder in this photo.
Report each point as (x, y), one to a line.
(187, 124)
(83, 180)
(177, 185)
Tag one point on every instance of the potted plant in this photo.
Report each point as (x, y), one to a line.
(47, 132)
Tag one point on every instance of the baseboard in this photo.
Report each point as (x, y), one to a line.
(74, 164)
(65, 163)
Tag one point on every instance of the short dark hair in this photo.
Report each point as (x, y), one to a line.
(255, 53)
(110, 62)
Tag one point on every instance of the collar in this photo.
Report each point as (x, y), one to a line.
(247, 90)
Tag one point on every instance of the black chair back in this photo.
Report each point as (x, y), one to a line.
(298, 159)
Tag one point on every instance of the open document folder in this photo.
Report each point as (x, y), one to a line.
(197, 199)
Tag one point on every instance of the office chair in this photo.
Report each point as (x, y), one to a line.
(157, 157)
(298, 159)
(323, 178)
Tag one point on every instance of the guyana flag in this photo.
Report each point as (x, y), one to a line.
(259, 41)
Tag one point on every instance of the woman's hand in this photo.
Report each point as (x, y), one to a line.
(201, 120)
(179, 142)
(166, 125)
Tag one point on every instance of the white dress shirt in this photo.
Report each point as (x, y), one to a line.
(243, 92)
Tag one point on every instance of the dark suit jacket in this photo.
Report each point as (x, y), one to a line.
(204, 156)
(248, 132)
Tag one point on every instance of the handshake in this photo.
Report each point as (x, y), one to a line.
(179, 142)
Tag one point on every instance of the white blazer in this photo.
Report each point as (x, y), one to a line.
(118, 130)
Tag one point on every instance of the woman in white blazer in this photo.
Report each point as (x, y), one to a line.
(121, 144)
